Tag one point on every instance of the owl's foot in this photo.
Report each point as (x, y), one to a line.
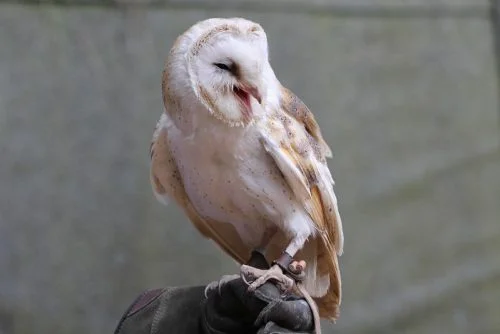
(294, 269)
(258, 277)
(217, 285)
(285, 271)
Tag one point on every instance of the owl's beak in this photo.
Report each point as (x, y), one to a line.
(245, 91)
(254, 91)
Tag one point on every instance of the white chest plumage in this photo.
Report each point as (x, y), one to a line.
(229, 177)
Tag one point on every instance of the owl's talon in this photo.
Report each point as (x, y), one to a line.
(296, 270)
(297, 266)
(260, 277)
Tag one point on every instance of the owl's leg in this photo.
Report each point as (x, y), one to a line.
(258, 267)
(257, 261)
(281, 270)
(295, 269)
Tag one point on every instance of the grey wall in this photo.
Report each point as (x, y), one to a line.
(406, 93)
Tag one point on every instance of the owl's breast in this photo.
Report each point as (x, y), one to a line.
(221, 170)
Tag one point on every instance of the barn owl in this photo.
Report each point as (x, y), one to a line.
(245, 159)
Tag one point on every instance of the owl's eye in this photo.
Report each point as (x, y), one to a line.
(222, 66)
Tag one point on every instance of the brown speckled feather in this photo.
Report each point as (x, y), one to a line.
(301, 156)
(296, 108)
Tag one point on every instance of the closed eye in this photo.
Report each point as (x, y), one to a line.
(222, 66)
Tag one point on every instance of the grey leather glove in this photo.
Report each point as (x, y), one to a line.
(227, 309)
(230, 308)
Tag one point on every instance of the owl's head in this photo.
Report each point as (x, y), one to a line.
(225, 63)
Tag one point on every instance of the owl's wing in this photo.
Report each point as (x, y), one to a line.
(292, 105)
(167, 184)
(300, 152)
(305, 152)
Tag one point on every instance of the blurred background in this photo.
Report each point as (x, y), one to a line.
(406, 93)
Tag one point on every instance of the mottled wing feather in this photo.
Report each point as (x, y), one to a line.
(166, 181)
(308, 156)
(294, 106)
(291, 171)
(300, 153)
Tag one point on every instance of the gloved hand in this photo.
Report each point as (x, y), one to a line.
(230, 308)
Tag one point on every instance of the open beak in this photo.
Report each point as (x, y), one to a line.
(252, 90)
(244, 92)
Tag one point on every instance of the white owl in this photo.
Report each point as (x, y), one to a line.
(245, 158)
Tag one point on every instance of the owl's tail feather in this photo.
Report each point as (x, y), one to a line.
(322, 279)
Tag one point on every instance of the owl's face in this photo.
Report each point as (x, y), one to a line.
(227, 66)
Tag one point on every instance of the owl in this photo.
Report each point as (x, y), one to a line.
(245, 159)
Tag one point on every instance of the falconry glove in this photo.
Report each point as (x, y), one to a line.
(223, 307)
